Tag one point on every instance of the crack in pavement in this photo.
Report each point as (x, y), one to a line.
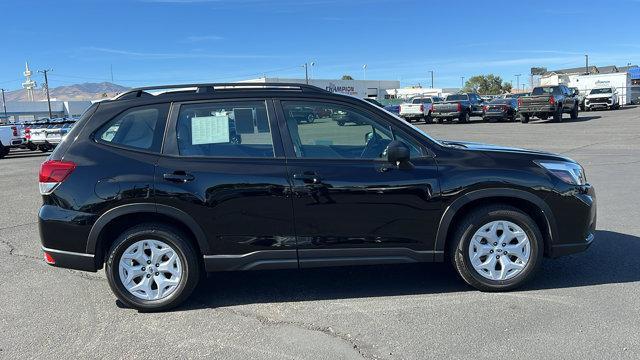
(76, 273)
(327, 330)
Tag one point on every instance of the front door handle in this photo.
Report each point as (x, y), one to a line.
(179, 177)
(308, 177)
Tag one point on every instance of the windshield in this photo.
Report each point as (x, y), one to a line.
(421, 101)
(457, 97)
(601, 91)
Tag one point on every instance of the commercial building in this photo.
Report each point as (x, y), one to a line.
(585, 79)
(358, 88)
(22, 111)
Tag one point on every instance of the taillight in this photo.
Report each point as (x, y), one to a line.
(421, 108)
(459, 107)
(53, 173)
(485, 108)
(505, 108)
(15, 131)
(519, 102)
(552, 100)
(27, 133)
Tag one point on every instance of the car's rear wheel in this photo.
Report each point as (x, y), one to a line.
(497, 248)
(464, 117)
(524, 118)
(152, 267)
(574, 112)
(557, 116)
(4, 151)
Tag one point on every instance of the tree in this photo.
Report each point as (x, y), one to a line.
(347, 77)
(487, 85)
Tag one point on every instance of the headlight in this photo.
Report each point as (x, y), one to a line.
(569, 172)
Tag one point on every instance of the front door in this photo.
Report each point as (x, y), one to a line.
(223, 166)
(350, 205)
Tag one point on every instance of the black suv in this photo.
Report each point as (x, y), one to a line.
(213, 177)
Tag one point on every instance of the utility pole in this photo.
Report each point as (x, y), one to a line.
(4, 106)
(306, 73)
(111, 69)
(431, 71)
(518, 80)
(364, 69)
(462, 80)
(586, 65)
(46, 84)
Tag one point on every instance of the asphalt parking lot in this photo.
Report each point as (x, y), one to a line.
(584, 306)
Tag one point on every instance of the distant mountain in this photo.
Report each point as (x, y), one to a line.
(86, 91)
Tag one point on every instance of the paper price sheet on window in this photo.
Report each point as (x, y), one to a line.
(210, 130)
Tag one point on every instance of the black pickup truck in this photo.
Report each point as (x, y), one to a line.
(458, 106)
(549, 101)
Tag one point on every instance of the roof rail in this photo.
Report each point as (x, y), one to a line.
(213, 87)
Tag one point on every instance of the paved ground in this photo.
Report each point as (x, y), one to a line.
(585, 306)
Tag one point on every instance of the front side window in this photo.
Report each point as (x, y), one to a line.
(339, 132)
(137, 128)
(224, 129)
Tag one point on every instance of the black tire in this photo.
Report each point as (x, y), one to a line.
(475, 220)
(524, 118)
(43, 148)
(4, 151)
(574, 112)
(557, 116)
(32, 147)
(340, 123)
(311, 118)
(170, 236)
(464, 117)
(439, 120)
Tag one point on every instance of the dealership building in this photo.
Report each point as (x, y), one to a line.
(626, 80)
(358, 88)
(24, 111)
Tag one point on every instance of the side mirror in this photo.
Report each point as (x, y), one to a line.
(398, 153)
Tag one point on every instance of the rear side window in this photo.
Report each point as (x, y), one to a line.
(225, 129)
(139, 128)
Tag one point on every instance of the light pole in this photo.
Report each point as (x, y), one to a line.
(306, 70)
(518, 80)
(586, 64)
(46, 84)
(431, 71)
(364, 70)
(462, 80)
(4, 106)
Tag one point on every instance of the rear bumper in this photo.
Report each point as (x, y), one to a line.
(412, 116)
(537, 109)
(448, 115)
(72, 260)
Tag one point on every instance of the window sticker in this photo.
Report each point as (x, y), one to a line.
(210, 130)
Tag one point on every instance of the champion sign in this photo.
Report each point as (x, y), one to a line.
(348, 90)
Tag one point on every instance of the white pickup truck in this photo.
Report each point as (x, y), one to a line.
(10, 136)
(418, 108)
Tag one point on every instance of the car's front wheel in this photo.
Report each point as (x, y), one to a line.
(497, 248)
(152, 267)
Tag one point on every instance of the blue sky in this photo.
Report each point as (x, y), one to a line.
(175, 41)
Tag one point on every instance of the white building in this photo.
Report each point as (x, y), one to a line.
(598, 77)
(358, 88)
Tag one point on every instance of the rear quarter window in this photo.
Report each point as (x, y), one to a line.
(140, 128)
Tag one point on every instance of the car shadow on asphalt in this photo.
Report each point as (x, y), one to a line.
(610, 260)
(580, 118)
(26, 154)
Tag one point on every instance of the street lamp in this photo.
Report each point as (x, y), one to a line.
(462, 80)
(518, 80)
(431, 71)
(364, 70)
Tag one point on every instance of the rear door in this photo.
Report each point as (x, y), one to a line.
(224, 166)
(351, 206)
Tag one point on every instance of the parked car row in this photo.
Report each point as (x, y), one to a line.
(43, 135)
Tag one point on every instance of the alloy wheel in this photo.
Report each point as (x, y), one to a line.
(499, 250)
(150, 269)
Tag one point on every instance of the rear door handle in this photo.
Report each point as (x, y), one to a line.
(308, 177)
(179, 177)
